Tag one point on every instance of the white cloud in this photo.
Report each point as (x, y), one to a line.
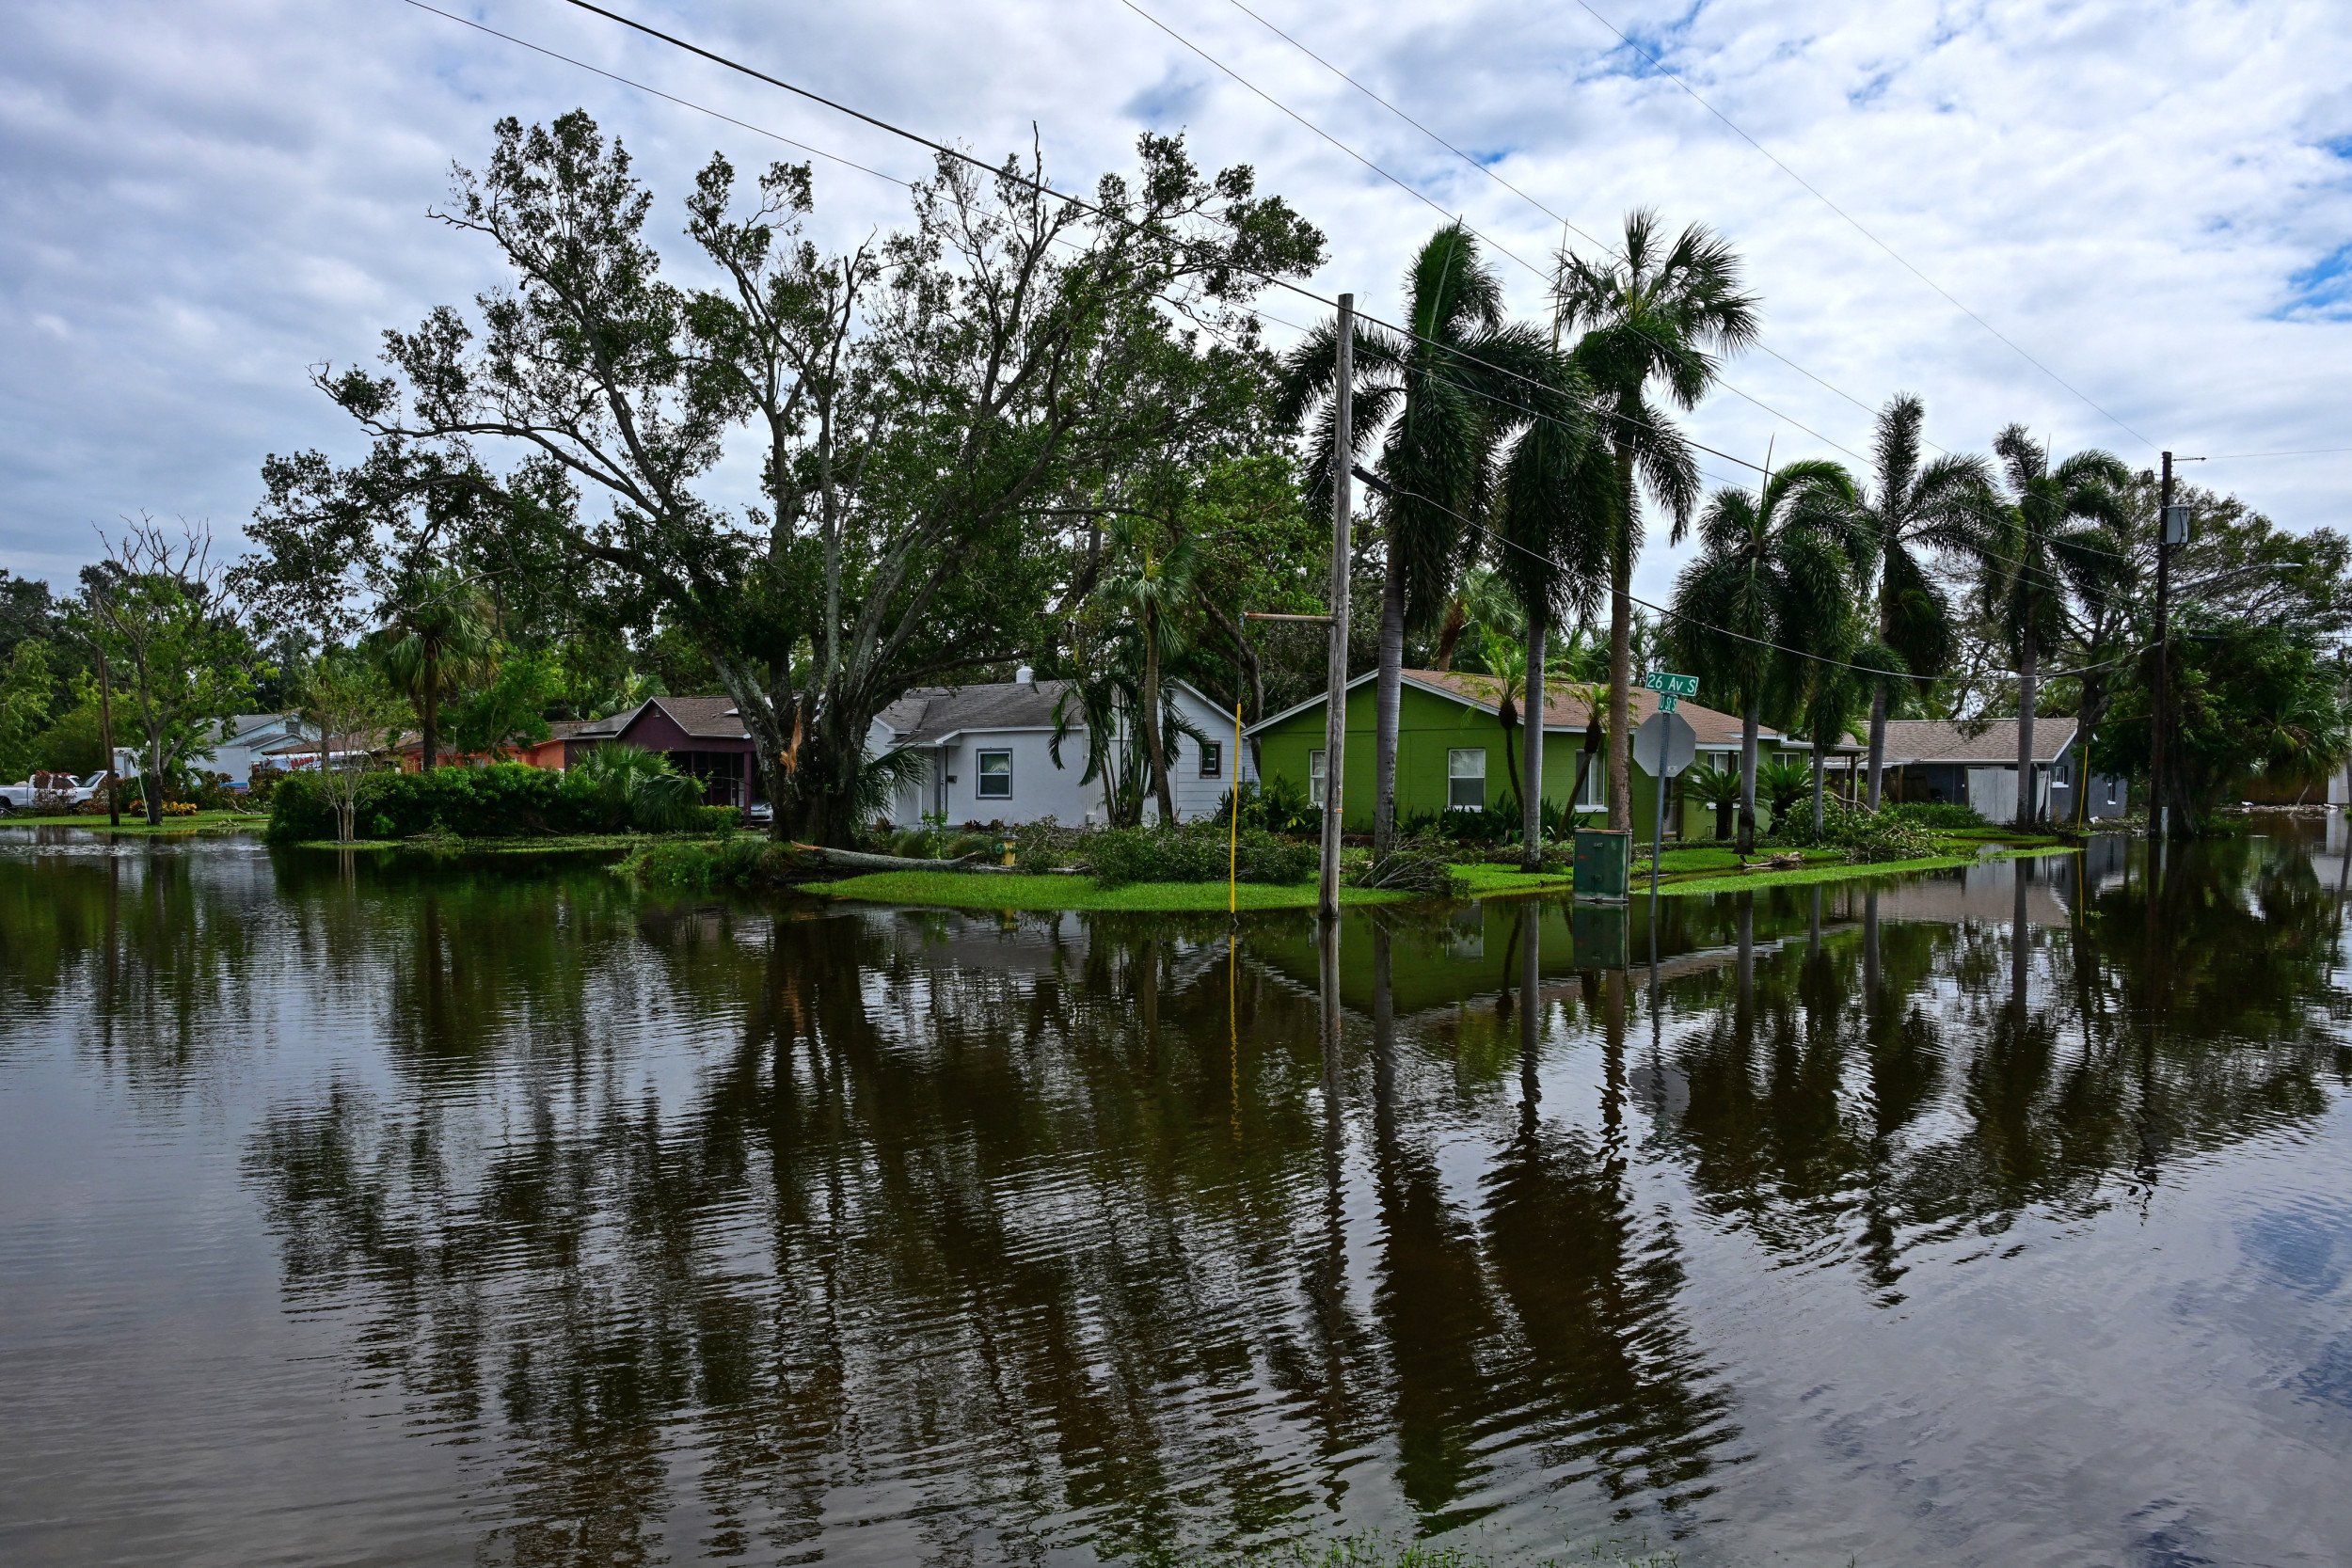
(2153, 200)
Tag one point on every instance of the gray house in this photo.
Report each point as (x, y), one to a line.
(988, 755)
(1933, 759)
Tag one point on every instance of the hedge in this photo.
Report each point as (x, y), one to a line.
(506, 800)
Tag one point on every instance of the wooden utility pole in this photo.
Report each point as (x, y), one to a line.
(106, 737)
(2159, 719)
(1343, 544)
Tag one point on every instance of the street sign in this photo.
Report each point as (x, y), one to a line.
(1671, 685)
(1665, 744)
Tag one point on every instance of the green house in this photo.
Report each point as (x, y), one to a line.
(1451, 751)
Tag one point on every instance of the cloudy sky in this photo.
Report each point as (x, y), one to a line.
(2153, 200)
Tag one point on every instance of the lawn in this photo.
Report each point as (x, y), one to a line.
(964, 890)
(551, 844)
(1703, 869)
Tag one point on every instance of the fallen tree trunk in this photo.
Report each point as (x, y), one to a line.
(858, 860)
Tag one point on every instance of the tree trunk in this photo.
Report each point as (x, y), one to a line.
(1878, 739)
(1531, 792)
(1878, 693)
(152, 794)
(428, 716)
(1751, 718)
(1621, 689)
(1388, 691)
(1507, 716)
(1817, 786)
(1153, 750)
(2026, 675)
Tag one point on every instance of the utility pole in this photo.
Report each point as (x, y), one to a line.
(106, 736)
(1343, 544)
(2160, 716)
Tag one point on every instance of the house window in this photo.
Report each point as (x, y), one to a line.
(1318, 771)
(995, 781)
(2111, 787)
(1212, 759)
(1466, 778)
(1592, 797)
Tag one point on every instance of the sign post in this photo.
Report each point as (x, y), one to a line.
(1664, 745)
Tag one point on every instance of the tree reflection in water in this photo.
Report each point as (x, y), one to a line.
(733, 1230)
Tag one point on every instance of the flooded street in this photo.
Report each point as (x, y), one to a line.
(419, 1214)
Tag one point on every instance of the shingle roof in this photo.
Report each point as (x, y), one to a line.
(930, 714)
(1994, 741)
(704, 717)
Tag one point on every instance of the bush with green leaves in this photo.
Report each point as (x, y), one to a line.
(637, 788)
(1940, 814)
(1782, 784)
(1196, 852)
(1866, 835)
(507, 799)
(1279, 805)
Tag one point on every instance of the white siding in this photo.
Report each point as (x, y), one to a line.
(1042, 789)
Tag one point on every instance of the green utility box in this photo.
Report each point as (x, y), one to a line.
(1604, 862)
(1598, 932)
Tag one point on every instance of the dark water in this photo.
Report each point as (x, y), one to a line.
(418, 1216)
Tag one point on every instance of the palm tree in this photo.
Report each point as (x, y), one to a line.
(1911, 508)
(2054, 538)
(1443, 397)
(1776, 574)
(1660, 315)
(1153, 588)
(1554, 518)
(436, 640)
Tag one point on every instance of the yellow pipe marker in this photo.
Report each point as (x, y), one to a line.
(1233, 831)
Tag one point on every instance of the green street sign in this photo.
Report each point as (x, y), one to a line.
(1667, 700)
(1671, 686)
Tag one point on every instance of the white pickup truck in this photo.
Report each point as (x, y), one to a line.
(55, 796)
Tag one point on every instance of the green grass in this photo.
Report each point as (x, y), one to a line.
(963, 890)
(202, 822)
(1840, 871)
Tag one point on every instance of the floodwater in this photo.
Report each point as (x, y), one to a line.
(439, 1214)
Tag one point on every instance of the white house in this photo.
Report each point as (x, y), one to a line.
(243, 740)
(987, 756)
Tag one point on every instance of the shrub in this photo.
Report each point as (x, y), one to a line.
(1866, 835)
(740, 860)
(1488, 825)
(1195, 853)
(261, 784)
(1279, 806)
(1933, 814)
(1415, 864)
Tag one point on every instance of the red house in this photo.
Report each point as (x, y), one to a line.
(702, 736)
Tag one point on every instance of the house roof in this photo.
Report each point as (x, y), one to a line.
(1988, 743)
(932, 714)
(239, 724)
(1565, 709)
(704, 717)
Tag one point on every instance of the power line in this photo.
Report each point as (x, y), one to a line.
(1045, 188)
(1489, 171)
(1454, 217)
(2308, 451)
(1661, 67)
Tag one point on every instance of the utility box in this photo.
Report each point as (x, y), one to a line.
(1604, 862)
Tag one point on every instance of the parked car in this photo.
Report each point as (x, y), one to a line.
(29, 795)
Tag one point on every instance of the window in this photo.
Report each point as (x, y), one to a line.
(1592, 797)
(995, 781)
(1212, 759)
(1318, 769)
(1465, 779)
(2111, 787)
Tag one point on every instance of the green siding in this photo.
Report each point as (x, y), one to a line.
(1428, 726)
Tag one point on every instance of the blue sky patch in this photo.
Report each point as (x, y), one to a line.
(2324, 288)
